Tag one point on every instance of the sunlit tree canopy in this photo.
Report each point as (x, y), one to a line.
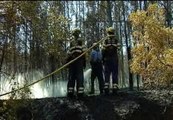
(153, 46)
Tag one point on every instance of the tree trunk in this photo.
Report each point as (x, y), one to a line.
(25, 54)
(121, 56)
(109, 13)
(52, 69)
(168, 13)
(128, 48)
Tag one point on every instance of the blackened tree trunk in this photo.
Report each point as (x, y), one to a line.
(2, 55)
(25, 53)
(168, 13)
(109, 13)
(52, 69)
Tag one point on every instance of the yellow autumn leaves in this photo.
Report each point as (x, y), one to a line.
(153, 51)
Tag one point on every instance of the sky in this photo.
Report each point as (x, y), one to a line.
(75, 11)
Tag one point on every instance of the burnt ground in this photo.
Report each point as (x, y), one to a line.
(126, 105)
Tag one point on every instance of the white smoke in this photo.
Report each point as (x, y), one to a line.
(41, 89)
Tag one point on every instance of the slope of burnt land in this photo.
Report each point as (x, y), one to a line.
(126, 105)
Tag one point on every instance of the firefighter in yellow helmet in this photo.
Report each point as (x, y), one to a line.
(110, 60)
(76, 68)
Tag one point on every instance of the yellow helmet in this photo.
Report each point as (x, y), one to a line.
(76, 31)
(110, 30)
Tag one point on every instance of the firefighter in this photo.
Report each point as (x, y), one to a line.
(97, 68)
(110, 61)
(76, 67)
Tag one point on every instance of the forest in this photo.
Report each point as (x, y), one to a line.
(34, 38)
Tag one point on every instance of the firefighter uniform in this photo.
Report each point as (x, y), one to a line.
(110, 60)
(76, 68)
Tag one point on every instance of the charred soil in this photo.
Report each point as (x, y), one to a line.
(126, 105)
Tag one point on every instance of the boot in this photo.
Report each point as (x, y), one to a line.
(92, 87)
(80, 95)
(114, 91)
(101, 92)
(106, 91)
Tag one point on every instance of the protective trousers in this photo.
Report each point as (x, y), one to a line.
(111, 67)
(76, 75)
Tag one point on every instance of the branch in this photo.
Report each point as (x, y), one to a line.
(168, 65)
(5, 73)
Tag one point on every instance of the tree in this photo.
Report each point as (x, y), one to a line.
(153, 53)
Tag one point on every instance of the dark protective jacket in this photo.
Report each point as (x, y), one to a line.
(76, 49)
(110, 48)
